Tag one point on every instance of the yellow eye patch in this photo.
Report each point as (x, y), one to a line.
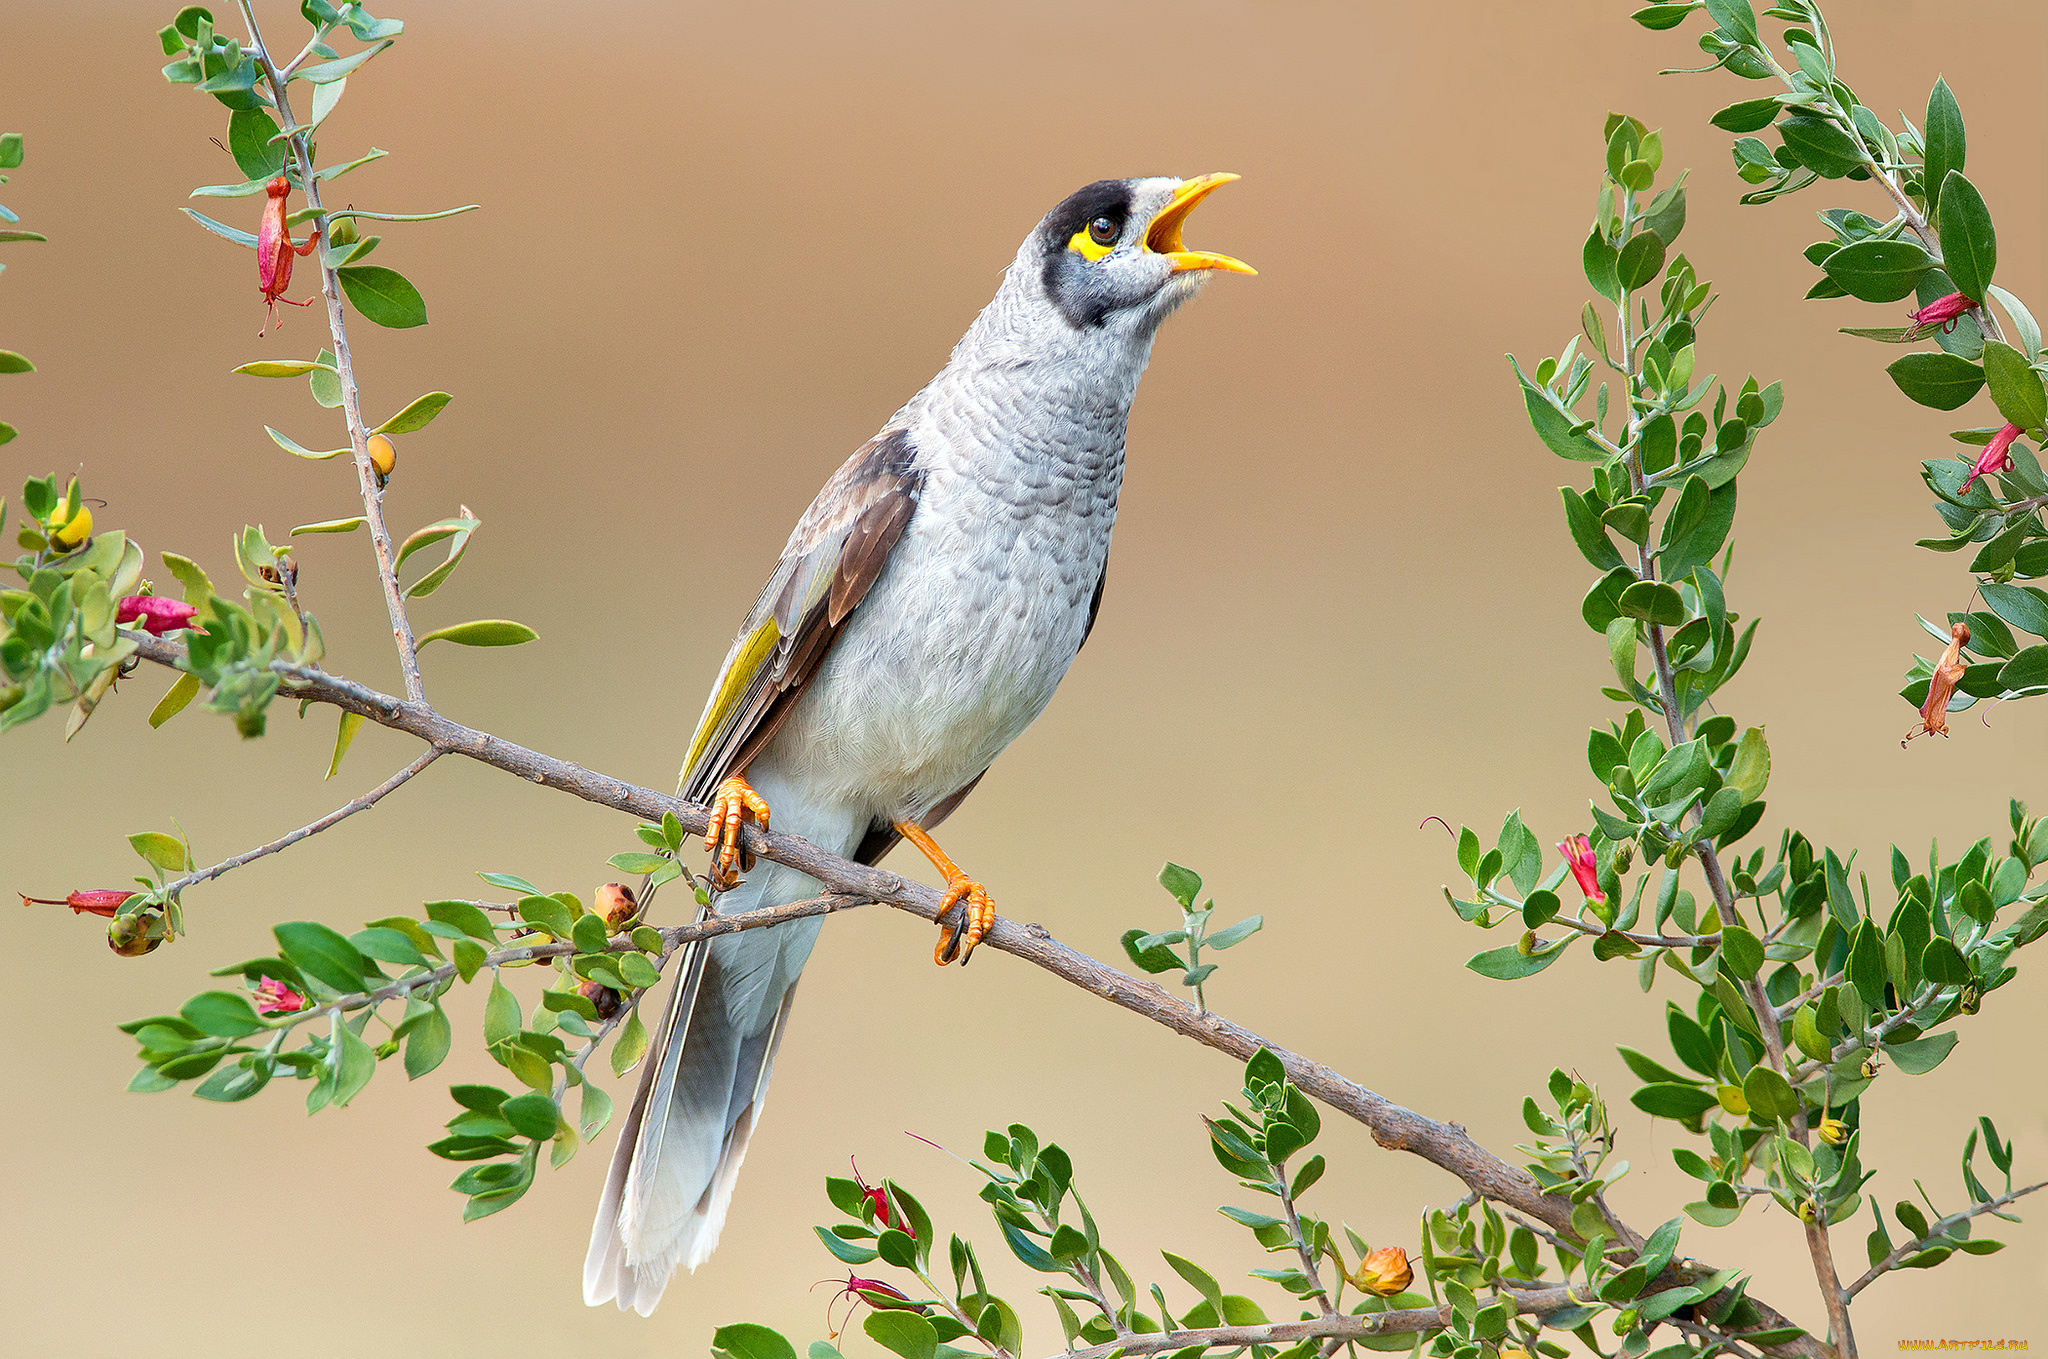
(1088, 247)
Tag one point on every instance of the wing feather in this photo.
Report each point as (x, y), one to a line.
(837, 551)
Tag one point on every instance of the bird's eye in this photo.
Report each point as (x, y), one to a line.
(1102, 231)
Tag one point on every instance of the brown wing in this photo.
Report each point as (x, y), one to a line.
(838, 549)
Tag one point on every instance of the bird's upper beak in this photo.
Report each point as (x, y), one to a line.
(1163, 236)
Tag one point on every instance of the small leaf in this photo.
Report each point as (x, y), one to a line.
(1942, 381)
(1878, 271)
(1969, 246)
(629, 1046)
(344, 736)
(483, 632)
(298, 450)
(384, 297)
(282, 368)
(234, 234)
(174, 700)
(416, 416)
(747, 1341)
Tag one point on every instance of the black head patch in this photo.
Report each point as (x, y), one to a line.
(1109, 198)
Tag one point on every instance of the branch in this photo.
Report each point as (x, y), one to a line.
(1393, 1127)
(1339, 1326)
(367, 478)
(369, 799)
(1940, 1228)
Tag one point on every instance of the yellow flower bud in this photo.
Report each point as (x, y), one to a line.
(1869, 1069)
(1833, 1131)
(383, 454)
(1808, 1210)
(68, 531)
(1385, 1272)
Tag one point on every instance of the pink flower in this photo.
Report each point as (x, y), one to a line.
(1578, 852)
(865, 1291)
(1942, 311)
(156, 614)
(1996, 457)
(101, 901)
(274, 997)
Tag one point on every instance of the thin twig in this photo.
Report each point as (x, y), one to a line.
(1341, 1326)
(351, 404)
(1915, 1246)
(341, 813)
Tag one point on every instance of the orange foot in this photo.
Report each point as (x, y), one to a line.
(730, 807)
(980, 912)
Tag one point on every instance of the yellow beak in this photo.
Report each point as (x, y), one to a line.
(1163, 236)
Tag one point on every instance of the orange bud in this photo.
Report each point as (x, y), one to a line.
(1948, 672)
(614, 901)
(383, 454)
(1385, 1272)
(601, 997)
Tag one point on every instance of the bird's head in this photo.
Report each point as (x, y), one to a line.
(1111, 256)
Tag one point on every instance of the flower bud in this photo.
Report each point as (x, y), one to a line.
(601, 997)
(1624, 1322)
(155, 614)
(102, 901)
(1833, 1131)
(1578, 852)
(614, 901)
(67, 530)
(343, 231)
(1384, 1272)
(383, 454)
(1869, 1069)
(10, 694)
(1526, 945)
(131, 936)
(1972, 997)
(1809, 1211)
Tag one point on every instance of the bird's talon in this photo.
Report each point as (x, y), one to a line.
(977, 917)
(734, 802)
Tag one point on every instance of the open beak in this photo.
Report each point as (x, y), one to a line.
(1163, 236)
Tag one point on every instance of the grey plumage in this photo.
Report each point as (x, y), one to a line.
(923, 611)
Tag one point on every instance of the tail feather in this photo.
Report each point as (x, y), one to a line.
(700, 1097)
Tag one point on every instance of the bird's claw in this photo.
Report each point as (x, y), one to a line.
(730, 807)
(978, 916)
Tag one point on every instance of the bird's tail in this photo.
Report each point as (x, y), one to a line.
(700, 1097)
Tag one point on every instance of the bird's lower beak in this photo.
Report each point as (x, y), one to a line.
(1163, 236)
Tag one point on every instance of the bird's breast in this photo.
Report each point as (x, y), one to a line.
(963, 638)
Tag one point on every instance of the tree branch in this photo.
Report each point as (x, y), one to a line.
(1914, 1247)
(367, 478)
(369, 799)
(1393, 1127)
(1337, 1326)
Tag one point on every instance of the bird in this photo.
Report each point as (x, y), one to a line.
(923, 611)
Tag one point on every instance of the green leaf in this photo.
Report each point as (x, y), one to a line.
(250, 141)
(1653, 602)
(354, 1064)
(1742, 951)
(905, 1333)
(385, 298)
(282, 368)
(332, 525)
(1154, 959)
(1735, 18)
(1945, 141)
(300, 451)
(629, 1046)
(1663, 16)
(1969, 246)
(1642, 259)
(501, 1013)
(328, 71)
(10, 142)
(2027, 670)
(427, 1043)
(1554, 426)
(174, 700)
(344, 737)
(1769, 1095)
(1941, 962)
(1509, 964)
(483, 632)
(1942, 381)
(1665, 1099)
(1182, 884)
(325, 386)
(11, 362)
(1235, 934)
(747, 1341)
(1751, 115)
(235, 234)
(467, 918)
(1750, 769)
(321, 953)
(416, 416)
(2015, 386)
(1586, 530)
(1878, 271)
(532, 1115)
(1824, 147)
(224, 1014)
(1921, 1055)
(2023, 606)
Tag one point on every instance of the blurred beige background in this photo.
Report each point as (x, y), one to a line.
(717, 251)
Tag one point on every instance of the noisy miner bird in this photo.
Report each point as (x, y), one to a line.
(926, 607)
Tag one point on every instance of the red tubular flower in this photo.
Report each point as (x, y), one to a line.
(877, 1197)
(865, 1291)
(1996, 457)
(274, 249)
(274, 997)
(1941, 686)
(156, 614)
(98, 901)
(1942, 311)
(1578, 852)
